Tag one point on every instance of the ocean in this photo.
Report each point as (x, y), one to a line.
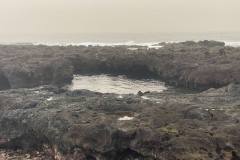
(144, 39)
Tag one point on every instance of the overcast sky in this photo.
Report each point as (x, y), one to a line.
(118, 16)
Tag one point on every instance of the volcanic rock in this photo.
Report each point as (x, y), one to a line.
(86, 125)
(199, 65)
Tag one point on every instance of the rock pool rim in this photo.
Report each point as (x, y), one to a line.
(167, 63)
(168, 86)
(121, 85)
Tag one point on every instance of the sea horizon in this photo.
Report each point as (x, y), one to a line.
(110, 39)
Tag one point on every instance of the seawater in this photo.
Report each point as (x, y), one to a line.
(115, 84)
(144, 39)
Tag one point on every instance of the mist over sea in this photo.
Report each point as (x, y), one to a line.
(230, 38)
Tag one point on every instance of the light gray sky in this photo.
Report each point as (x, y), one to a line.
(118, 16)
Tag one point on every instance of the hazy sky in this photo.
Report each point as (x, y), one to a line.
(118, 16)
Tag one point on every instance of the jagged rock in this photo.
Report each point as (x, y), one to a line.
(199, 65)
(140, 93)
(211, 43)
(87, 125)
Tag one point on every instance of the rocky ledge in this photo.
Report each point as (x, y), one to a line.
(200, 65)
(64, 124)
(51, 122)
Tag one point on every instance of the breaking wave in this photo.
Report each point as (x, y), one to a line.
(232, 44)
(129, 43)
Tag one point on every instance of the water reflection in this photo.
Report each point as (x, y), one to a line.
(118, 85)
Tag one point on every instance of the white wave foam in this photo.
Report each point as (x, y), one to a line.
(232, 44)
(102, 44)
(129, 43)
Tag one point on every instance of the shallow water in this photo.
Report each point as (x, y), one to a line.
(118, 85)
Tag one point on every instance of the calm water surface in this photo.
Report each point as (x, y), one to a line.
(118, 85)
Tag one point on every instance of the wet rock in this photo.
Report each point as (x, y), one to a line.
(189, 43)
(84, 124)
(140, 93)
(146, 92)
(199, 65)
(4, 83)
(211, 43)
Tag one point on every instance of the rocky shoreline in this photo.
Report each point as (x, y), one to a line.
(41, 117)
(86, 125)
(200, 65)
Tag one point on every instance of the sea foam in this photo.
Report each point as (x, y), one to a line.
(155, 45)
(232, 44)
(129, 43)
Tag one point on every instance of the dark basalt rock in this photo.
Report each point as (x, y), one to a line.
(140, 93)
(211, 43)
(25, 67)
(87, 125)
(199, 65)
(4, 83)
